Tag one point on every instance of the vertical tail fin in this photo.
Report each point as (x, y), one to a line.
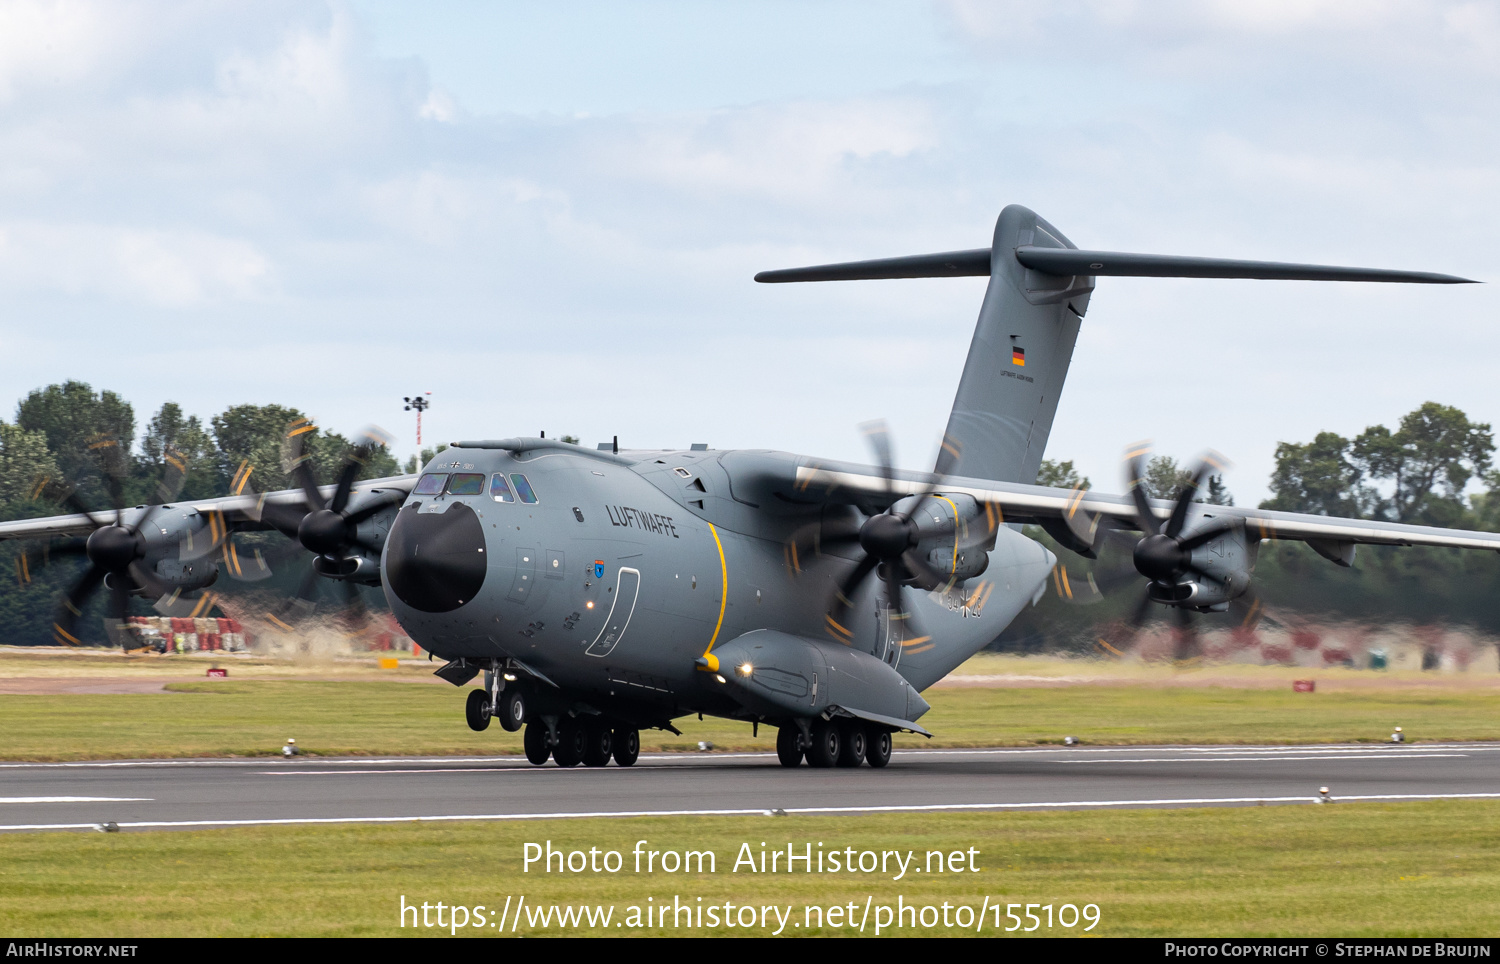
(1019, 358)
(1039, 289)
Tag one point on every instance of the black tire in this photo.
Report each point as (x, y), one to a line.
(598, 742)
(627, 747)
(571, 740)
(789, 745)
(477, 710)
(851, 744)
(877, 746)
(826, 744)
(513, 710)
(535, 741)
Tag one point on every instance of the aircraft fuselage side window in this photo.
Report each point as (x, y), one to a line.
(499, 490)
(431, 484)
(466, 483)
(523, 488)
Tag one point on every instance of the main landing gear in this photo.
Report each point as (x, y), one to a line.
(830, 743)
(571, 741)
(568, 740)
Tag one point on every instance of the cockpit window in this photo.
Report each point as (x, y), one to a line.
(431, 484)
(523, 489)
(499, 491)
(466, 483)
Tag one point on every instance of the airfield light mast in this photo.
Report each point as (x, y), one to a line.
(418, 404)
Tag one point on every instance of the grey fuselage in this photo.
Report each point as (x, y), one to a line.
(628, 570)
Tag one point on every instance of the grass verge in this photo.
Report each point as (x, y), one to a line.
(1420, 869)
(255, 717)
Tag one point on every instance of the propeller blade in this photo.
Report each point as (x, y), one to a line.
(808, 541)
(1135, 460)
(357, 611)
(879, 438)
(301, 470)
(1188, 644)
(345, 484)
(1212, 462)
(206, 541)
(838, 614)
(1248, 608)
(254, 564)
(384, 501)
(63, 628)
(928, 577)
(282, 517)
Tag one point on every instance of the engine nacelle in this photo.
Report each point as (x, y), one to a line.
(949, 523)
(1224, 565)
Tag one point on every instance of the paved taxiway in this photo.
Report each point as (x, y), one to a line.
(189, 793)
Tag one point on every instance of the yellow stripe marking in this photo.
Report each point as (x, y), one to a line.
(954, 570)
(1109, 647)
(1067, 587)
(723, 596)
(272, 618)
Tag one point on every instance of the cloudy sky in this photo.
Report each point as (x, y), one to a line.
(549, 214)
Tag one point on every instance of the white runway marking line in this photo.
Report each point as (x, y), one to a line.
(76, 800)
(1249, 759)
(757, 811)
(680, 758)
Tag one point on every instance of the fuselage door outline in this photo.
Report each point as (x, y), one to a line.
(627, 585)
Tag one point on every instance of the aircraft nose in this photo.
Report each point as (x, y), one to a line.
(435, 561)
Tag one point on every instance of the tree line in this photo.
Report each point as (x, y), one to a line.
(70, 438)
(1435, 468)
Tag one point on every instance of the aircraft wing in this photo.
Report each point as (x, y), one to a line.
(1040, 504)
(236, 511)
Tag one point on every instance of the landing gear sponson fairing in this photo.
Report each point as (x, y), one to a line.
(605, 591)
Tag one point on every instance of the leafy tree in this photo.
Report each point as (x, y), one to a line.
(1058, 475)
(1429, 461)
(1319, 478)
(86, 432)
(415, 463)
(1165, 478)
(24, 459)
(1217, 493)
(169, 430)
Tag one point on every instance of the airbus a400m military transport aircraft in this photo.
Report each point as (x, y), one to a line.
(603, 591)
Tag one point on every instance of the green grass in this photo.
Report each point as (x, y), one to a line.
(1424, 869)
(243, 718)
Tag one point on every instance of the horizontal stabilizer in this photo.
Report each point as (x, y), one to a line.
(1068, 261)
(944, 264)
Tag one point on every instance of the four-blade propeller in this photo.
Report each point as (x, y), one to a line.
(889, 540)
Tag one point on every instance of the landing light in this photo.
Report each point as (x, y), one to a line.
(720, 678)
(589, 604)
(510, 677)
(745, 669)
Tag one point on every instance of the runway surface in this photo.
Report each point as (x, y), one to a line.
(157, 794)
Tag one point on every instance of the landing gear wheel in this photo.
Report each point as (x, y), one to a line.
(627, 747)
(512, 713)
(851, 745)
(571, 742)
(535, 742)
(789, 745)
(598, 741)
(877, 746)
(477, 710)
(826, 744)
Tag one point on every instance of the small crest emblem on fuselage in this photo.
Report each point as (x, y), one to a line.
(598, 568)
